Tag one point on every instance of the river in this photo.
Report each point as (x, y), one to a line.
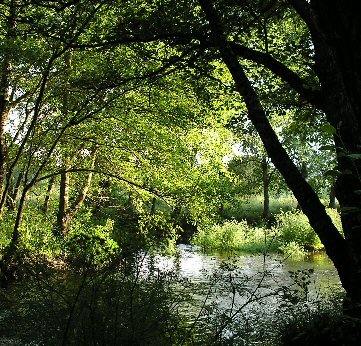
(253, 290)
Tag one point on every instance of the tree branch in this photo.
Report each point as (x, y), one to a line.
(279, 69)
(110, 175)
(335, 244)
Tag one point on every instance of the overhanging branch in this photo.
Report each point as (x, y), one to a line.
(279, 69)
(335, 245)
(108, 174)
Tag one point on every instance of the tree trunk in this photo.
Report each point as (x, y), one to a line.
(8, 263)
(12, 198)
(5, 107)
(66, 213)
(338, 56)
(336, 247)
(63, 202)
(48, 194)
(265, 179)
(332, 195)
(83, 192)
(62, 222)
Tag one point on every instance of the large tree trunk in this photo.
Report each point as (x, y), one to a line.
(5, 92)
(344, 254)
(338, 55)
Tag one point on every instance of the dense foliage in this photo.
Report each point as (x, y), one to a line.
(127, 127)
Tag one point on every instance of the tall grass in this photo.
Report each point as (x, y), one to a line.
(236, 235)
(251, 209)
(292, 235)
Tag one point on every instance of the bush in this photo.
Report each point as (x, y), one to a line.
(234, 235)
(295, 232)
(291, 249)
(292, 235)
(321, 328)
(294, 227)
(37, 234)
(158, 232)
(126, 303)
(7, 224)
(91, 245)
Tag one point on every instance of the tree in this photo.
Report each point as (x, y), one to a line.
(338, 97)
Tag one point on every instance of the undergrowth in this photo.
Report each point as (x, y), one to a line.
(291, 235)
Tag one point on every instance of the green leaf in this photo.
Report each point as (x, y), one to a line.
(328, 128)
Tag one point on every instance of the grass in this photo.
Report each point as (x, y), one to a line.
(251, 209)
(236, 235)
(291, 235)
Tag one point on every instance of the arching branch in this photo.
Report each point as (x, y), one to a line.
(279, 69)
(108, 174)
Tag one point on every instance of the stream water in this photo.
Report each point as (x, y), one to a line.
(243, 282)
(251, 296)
(241, 297)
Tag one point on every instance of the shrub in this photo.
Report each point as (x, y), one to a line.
(234, 235)
(91, 245)
(291, 249)
(158, 232)
(294, 227)
(107, 306)
(37, 234)
(321, 328)
(7, 224)
(296, 233)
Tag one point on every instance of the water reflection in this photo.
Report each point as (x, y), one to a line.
(247, 296)
(258, 276)
(197, 265)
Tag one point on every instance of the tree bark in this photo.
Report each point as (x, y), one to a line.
(5, 107)
(62, 222)
(332, 196)
(338, 56)
(13, 197)
(66, 213)
(8, 263)
(48, 194)
(63, 202)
